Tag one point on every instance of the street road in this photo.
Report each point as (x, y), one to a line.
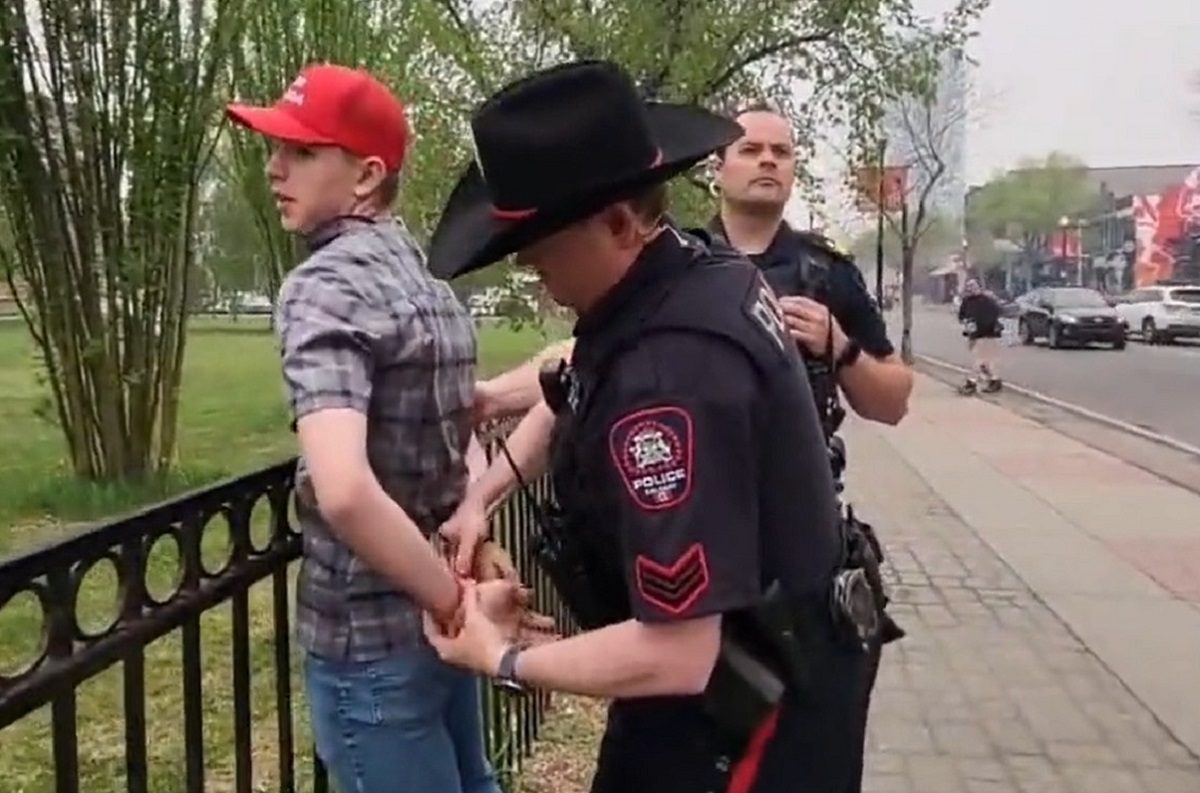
(1154, 387)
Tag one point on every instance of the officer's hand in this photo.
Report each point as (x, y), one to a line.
(809, 322)
(479, 642)
(492, 562)
(502, 602)
(507, 604)
(464, 531)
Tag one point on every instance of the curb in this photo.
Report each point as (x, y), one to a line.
(1082, 412)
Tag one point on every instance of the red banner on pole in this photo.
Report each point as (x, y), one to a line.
(884, 187)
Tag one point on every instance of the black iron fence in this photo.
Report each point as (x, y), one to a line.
(152, 600)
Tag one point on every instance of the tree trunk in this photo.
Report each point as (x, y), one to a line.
(908, 254)
(107, 121)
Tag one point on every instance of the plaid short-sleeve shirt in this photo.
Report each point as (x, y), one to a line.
(362, 324)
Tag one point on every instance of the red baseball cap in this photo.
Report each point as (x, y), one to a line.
(330, 105)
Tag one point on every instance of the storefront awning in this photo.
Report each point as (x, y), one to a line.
(949, 268)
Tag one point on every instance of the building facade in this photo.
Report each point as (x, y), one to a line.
(1145, 229)
(1149, 228)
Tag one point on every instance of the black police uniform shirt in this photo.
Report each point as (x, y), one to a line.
(672, 433)
(705, 475)
(848, 297)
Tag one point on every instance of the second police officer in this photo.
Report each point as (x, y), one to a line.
(696, 537)
(825, 302)
(754, 178)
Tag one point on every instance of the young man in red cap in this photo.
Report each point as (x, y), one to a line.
(378, 359)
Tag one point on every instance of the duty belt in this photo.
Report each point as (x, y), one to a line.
(859, 597)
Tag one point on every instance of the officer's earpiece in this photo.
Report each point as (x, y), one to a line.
(710, 174)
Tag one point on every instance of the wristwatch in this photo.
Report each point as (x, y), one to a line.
(849, 355)
(506, 674)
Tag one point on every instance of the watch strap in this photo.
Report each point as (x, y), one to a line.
(849, 355)
(506, 673)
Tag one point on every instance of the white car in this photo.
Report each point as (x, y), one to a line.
(1162, 313)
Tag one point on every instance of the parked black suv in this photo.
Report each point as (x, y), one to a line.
(1069, 314)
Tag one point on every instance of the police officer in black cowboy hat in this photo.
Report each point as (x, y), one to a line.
(695, 537)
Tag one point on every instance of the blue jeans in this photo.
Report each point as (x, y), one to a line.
(404, 724)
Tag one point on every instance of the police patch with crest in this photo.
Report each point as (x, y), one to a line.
(652, 451)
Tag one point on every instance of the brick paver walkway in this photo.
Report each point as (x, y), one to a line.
(990, 692)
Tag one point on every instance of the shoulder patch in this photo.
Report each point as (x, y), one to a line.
(652, 451)
(673, 587)
(763, 308)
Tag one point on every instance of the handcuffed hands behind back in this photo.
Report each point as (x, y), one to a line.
(493, 615)
(470, 552)
(495, 602)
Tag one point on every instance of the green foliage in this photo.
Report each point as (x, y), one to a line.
(106, 118)
(231, 255)
(108, 121)
(941, 239)
(690, 203)
(1025, 204)
(824, 63)
(278, 39)
(444, 56)
(233, 418)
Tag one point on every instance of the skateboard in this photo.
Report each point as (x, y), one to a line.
(969, 388)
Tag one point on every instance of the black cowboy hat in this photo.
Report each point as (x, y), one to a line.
(557, 146)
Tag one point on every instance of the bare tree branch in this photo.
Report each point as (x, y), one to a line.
(927, 142)
(755, 56)
(926, 127)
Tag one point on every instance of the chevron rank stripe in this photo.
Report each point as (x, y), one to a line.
(676, 587)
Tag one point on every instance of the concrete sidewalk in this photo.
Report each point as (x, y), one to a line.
(1052, 598)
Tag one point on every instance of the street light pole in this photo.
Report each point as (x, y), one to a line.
(1064, 226)
(1080, 226)
(879, 227)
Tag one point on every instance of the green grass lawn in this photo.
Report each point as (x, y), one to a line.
(233, 419)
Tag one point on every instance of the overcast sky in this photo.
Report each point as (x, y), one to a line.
(1108, 80)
